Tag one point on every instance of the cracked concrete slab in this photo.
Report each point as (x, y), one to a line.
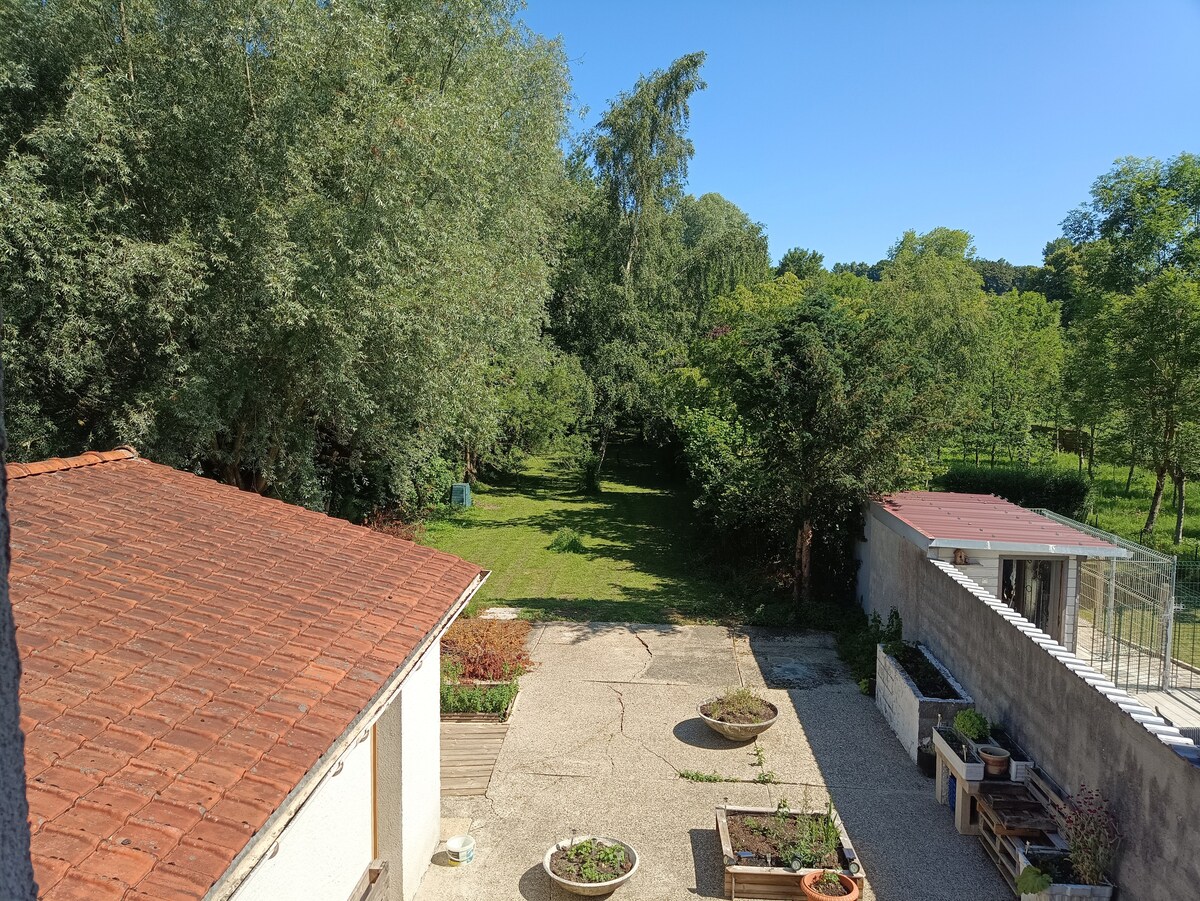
(600, 736)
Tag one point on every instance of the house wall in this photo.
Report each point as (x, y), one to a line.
(325, 848)
(1067, 719)
(408, 766)
(348, 821)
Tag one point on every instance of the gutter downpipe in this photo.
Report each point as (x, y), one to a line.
(261, 842)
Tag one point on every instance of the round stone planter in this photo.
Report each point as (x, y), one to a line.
(590, 889)
(738, 731)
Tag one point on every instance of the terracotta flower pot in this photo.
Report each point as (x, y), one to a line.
(807, 885)
(995, 760)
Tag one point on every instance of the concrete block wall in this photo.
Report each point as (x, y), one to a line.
(1076, 724)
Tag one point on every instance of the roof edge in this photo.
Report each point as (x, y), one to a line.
(259, 844)
(59, 464)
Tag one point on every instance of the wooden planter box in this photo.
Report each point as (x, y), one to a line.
(484, 717)
(743, 881)
(911, 715)
(471, 743)
(1064, 891)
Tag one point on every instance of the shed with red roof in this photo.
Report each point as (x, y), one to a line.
(1028, 560)
(224, 696)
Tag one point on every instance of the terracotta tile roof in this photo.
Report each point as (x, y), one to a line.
(950, 519)
(189, 651)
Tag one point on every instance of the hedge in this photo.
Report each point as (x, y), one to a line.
(1060, 490)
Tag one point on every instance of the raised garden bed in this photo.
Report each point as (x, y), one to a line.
(754, 840)
(478, 702)
(912, 692)
(1064, 887)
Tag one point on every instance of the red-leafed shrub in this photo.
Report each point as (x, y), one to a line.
(486, 650)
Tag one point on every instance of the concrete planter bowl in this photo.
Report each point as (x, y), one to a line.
(737, 731)
(590, 889)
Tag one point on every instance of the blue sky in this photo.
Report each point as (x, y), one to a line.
(838, 125)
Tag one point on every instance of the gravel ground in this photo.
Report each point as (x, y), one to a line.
(608, 719)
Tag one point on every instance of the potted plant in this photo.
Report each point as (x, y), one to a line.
(972, 724)
(822, 884)
(739, 714)
(768, 852)
(590, 865)
(1082, 872)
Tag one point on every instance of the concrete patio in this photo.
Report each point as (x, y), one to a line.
(608, 719)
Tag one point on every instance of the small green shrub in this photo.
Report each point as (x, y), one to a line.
(567, 541)
(1033, 881)
(856, 645)
(973, 724)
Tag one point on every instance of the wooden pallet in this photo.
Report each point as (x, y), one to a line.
(1010, 816)
(469, 752)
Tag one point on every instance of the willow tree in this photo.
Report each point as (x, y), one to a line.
(618, 302)
(281, 244)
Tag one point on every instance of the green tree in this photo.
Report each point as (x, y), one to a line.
(1157, 370)
(801, 263)
(1020, 360)
(1143, 219)
(618, 304)
(284, 245)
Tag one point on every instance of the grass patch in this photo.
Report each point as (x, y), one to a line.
(642, 561)
(696, 776)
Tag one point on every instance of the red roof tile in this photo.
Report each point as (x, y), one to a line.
(189, 651)
(973, 520)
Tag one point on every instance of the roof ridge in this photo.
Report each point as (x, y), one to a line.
(58, 464)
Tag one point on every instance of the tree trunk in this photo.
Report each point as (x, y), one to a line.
(1180, 503)
(802, 576)
(16, 868)
(1132, 466)
(1091, 451)
(1160, 478)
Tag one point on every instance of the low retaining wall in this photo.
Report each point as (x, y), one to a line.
(911, 715)
(1077, 726)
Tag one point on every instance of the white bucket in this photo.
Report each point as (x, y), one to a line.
(460, 849)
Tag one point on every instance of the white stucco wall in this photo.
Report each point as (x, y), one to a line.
(408, 767)
(327, 846)
(421, 770)
(347, 821)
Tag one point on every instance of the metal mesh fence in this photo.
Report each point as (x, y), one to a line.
(1185, 638)
(1126, 616)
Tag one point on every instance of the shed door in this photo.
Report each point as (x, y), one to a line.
(1034, 589)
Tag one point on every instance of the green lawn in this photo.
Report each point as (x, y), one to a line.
(638, 562)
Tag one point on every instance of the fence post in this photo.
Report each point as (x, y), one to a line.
(1110, 609)
(1170, 612)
